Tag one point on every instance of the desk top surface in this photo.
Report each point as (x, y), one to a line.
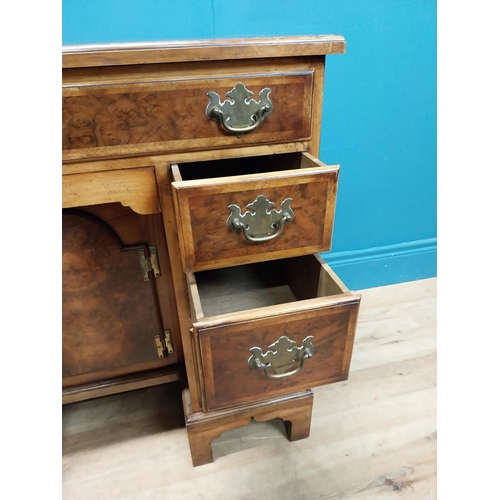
(77, 56)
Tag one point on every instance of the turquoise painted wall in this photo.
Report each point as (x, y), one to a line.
(379, 115)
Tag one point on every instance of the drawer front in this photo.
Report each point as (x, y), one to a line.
(225, 350)
(206, 211)
(170, 115)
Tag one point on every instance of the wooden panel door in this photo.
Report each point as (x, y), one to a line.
(111, 315)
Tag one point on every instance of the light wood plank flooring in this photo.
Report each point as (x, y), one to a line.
(372, 437)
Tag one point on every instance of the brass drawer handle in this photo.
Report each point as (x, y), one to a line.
(282, 356)
(258, 225)
(239, 115)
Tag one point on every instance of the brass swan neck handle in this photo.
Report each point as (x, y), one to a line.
(262, 222)
(282, 355)
(240, 114)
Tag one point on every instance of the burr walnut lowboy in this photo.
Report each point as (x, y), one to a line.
(194, 209)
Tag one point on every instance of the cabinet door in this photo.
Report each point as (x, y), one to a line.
(111, 314)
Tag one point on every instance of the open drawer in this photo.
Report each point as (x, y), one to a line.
(241, 210)
(266, 329)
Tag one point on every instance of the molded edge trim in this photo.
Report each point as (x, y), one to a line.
(200, 50)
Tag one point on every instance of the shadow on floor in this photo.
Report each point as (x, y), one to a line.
(121, 417)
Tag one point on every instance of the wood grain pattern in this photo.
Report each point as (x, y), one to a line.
(121, 384)
(372, 437)
(134, 228)
(107, 120)
(131, 110)
(167, 304)
(134, 188)
(240, 320)
(162, 170)
(201, 50)
(111, 164)
(317, 108)
(225, 352)
(202, 207)
(294, 284)
(109, 313)
(295, 410)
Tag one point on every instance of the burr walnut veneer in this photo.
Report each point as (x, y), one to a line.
(194, 207)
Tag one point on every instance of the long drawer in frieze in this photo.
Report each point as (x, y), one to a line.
(134, 117)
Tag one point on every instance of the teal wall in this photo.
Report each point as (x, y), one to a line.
(379, 115)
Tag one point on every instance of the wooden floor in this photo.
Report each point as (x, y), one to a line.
(372, 437)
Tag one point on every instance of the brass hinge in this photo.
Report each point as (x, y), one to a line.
(149, 263)
(164, 344)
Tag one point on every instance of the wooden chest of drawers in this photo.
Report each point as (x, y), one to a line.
(209, 150)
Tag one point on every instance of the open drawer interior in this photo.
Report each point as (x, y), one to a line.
(224, 291)
(227, 167)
